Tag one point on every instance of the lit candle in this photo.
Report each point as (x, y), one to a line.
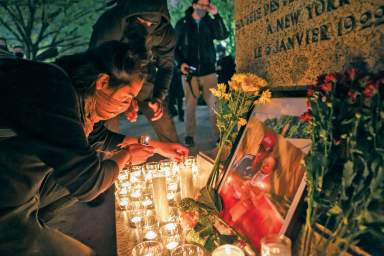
(228, 250)
(186, 180)
(160, 199)
(172, 245)
(150, 235)
(275, 245)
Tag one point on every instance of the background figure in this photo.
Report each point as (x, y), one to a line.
(153, 17)
(176, 95)
(3, 44)
(18, 51)
(226, 66)
(195, 34)
(4, 52)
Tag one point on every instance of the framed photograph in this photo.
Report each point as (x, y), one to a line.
(263, 183)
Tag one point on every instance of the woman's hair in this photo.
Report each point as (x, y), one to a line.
(123, 62)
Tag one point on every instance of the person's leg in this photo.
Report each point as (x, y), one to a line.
(53, 198)
(164, 127)
(208, 82)
(190, 102)
(22, 233)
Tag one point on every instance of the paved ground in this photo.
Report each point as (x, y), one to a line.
(96, 226)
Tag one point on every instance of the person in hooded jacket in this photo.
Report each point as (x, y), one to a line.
(154, 18)
(47, 113)
(195, 54)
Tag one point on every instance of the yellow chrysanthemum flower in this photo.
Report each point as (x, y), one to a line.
(265, 97)
(254, 80)
(215, 92)
(226, 96)
(234, 85)
(222, 87)
(242, 122)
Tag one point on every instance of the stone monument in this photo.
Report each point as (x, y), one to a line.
(291, 42)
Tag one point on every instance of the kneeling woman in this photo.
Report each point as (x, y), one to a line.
(47, 158)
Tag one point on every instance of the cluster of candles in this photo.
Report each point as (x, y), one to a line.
(148, 195)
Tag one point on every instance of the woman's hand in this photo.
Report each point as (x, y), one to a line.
(140, 153)
(174, 151)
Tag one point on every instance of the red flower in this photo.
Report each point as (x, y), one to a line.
(305, 117)
(351, 73)
(310, 92)
(369, 90)
(352, 95)
(330, 78)
(326, 87)
(308, 104)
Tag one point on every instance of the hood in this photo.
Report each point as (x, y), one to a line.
(139, 7)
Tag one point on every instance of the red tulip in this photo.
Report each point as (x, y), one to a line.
(326, 87)
(369, 90)
(305, 117)
(330, 78)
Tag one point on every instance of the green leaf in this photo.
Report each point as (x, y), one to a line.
(227, 239)
(211, 199)
(210, 244)
(348, 173)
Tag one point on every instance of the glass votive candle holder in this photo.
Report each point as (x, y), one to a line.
(149, 169)
(148, 248)
(136, 212)
(187, 188)
(228, 250)
(136, 173)
(123, 201)
(275, 245)
(150, 226)
(174, 215)
(171, 235)
(188, 250)
(148, 198)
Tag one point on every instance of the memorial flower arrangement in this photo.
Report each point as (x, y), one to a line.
(233, 105)
(345, 170)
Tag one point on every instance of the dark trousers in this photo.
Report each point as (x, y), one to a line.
(24, 232)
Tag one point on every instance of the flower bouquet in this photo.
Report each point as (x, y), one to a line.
(345, 170)
(231, 109)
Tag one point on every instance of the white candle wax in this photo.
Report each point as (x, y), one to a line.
(186, 182)
(172, 245)
(160, 199)
(228, 250)
(150, 235)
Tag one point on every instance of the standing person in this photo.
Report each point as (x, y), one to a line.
(226, 66)
(18, 50)
(195, 34)
(46, 161)
(154, 18)
(176, 96)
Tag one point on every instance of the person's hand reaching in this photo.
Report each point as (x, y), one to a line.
(140, 153)
(157, 109)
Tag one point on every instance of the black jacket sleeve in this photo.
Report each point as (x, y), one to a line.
(102, 139)
(46, 113)
(218, 28)
(164, 52)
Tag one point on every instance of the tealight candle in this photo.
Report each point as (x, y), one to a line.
(171, 235)
(148, 248)
(228, 250)
(275, 245)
